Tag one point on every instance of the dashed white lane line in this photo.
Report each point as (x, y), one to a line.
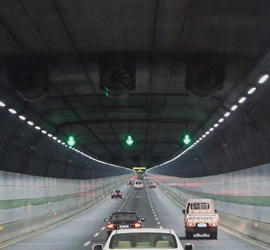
(102, 228)
(87, 243)
(96, 234)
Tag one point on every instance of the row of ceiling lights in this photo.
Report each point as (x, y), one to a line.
(241, 100)
(263, 79)
(44, 132)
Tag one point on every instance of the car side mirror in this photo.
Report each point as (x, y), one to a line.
(183, 211)
(189, 246)
(97, 247)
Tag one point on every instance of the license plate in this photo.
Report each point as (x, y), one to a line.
(123, 226)
(201, 225)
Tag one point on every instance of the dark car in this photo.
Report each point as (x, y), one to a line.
(116, 193)
(123, 220)
(152, 185)
(129, 182)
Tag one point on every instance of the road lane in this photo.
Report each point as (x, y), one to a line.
(153, 204)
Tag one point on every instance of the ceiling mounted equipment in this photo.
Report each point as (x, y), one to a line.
(29, 78)
(117, 74)
(205, 75)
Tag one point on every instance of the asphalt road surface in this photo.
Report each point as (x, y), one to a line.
(153, 204)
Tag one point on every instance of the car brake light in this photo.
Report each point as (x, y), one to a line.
(110, 226)
(137, 225)
(213, 224)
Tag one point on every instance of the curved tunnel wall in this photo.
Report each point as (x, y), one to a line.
(23, 149)
(241, 141)
(30, 203)
(244, 193)
(242, 198)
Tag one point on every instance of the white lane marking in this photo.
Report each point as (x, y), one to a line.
(96, 234)
(244, 238)
(138, 196)
(158, 222)
(87, 243)
(161, 227)
(103, 228)
(156, 218)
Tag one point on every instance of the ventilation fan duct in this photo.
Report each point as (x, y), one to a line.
(117, 74)
(205, 75)
(29, 78)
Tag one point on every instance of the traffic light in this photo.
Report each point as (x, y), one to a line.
(71, 141)
(129, 140)
(186, 139)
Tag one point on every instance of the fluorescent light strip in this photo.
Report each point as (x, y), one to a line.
(234, 107)
(30, 123)
(242, 99)
(12, 111)
(263, 78)
(251, 91)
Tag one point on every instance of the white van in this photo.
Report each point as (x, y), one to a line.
(138, 184)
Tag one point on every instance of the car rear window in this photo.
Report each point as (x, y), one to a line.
(143, 240)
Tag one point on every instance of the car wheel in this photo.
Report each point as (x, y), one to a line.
(111, 197)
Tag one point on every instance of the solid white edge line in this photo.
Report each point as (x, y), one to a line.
(244, 238)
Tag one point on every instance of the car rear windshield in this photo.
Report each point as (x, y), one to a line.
(124, 216)
(143, 240)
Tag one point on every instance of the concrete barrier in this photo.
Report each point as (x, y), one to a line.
(248, 228)
(22, 225)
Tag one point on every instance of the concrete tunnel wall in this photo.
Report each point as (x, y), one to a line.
(242, 198)
(30, 203)
(241, 141)
(27, 150)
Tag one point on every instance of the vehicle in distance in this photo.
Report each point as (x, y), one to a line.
(123, 220)
(138, 184)
(152, 185)
(200, 218)
(129, 182)
(150, 238)
(116, 193)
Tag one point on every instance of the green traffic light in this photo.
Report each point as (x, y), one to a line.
(71, 141)
(186, 139)
(129, 140)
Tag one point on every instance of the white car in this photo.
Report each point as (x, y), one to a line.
(141, 238)
(138, 184)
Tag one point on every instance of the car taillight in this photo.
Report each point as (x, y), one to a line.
(137, 225)
(120, 193)
(190, 222)
(213, 224)
(110, 226)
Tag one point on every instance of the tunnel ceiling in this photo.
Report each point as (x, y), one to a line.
(101, 70)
